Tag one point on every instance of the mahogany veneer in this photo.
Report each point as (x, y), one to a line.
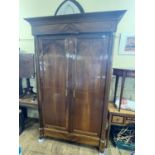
(73, 58)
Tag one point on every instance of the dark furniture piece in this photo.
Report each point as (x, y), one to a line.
(24, 105)
(21, 122)
(26, 71)
(73, 58)
(26, 65)
(121, 73)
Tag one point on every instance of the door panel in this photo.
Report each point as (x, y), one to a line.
(54, 78)
(90, 70)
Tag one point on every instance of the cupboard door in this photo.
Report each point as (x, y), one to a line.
(54, 77)
(90, 71)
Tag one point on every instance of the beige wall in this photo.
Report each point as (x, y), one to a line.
(35, 8)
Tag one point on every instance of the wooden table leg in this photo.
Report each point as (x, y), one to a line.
(116, 85)
(122, 88)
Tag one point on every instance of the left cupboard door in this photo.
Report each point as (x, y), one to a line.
(53, 73)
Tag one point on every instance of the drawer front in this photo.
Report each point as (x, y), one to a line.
(117, 119)
(129, 120)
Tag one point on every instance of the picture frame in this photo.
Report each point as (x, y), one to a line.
(127, 44)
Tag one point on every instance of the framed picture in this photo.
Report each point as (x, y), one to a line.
(127, 44)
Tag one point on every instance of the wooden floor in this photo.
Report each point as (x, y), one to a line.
(31, 146)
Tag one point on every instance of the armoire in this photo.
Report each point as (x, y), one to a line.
(73, 67)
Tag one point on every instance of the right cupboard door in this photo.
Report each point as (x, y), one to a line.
(89, 82)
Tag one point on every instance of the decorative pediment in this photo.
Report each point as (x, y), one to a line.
(70, 28)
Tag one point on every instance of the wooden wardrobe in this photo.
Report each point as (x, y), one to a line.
(73, 59)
